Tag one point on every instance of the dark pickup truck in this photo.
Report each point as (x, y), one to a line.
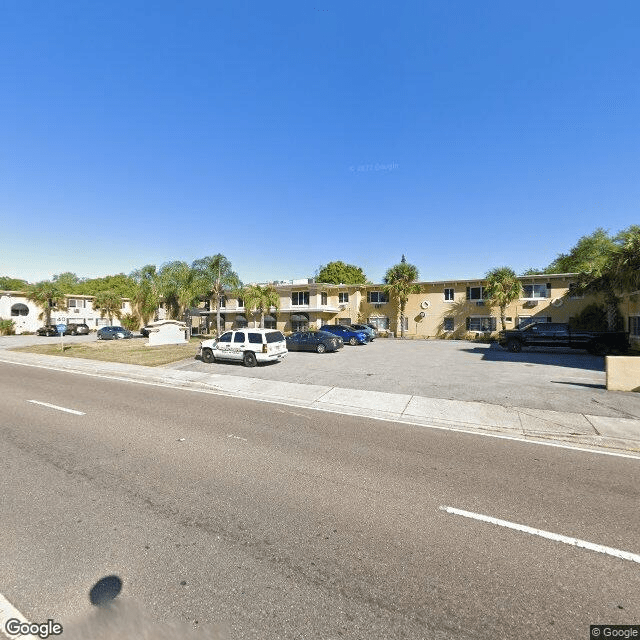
(554, 334)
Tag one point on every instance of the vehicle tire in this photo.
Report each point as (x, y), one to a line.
(249, 359)
(353, 341)
(515, 346)
(320, 348)
(207, 356)
(599, 349)
(99, 336)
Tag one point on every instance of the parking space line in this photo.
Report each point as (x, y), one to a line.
(55, 406)
(616, 553)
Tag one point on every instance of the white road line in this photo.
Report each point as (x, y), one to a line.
(616, 553)
(7, 612)
(55, 406)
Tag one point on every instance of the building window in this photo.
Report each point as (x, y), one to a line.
(380, 323)
(634, 325)
(524, 321)
(481, 323)
(323, 298)
(72, 302)
(223, 302)
(447, 324)
(300, 298)
(377, 297)
(270, 322)
(344, 321)
(475, 293)
(404, 323)
(535, 291)
(448, 295)
(241, 322)
(300, 322)
(240, 303)
(19, 309)
(343, 298)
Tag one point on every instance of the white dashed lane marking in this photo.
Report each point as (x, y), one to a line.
(55, 406)
(583, 544)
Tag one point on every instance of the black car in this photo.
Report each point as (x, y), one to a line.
(47, 330)
(318, 341)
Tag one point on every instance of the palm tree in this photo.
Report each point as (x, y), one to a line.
(220, 279)
(47, 295)
(400, 281)
(109, 303)
(503, 287)
(260, 299)
(146, 297)
(625, 262)
(181, 286)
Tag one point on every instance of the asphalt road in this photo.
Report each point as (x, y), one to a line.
(287, 523)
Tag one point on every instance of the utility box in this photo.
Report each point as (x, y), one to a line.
(168, 332)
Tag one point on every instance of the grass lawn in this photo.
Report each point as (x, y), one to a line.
(134, 351)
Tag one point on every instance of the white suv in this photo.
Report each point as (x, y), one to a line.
(249, 346)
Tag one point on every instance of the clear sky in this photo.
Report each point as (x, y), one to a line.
(463, 134)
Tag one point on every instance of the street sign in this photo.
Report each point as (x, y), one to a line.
(61, 328)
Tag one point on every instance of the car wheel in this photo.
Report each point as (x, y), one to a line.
(514, 346)
(320, 348)
(207, 356)
(249, 359)
(599, 349)
(353, 341)
(99, 336)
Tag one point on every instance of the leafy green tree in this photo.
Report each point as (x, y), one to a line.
(503, 287)
(7, 327)
(592, 318)
(130, 321)
(109, 303)
(400, 283)
(146, 295)
(338, 272)
(624, 265)
(589, 254)
(260, 299)
(181, 286)
(47, 295)
(12, 284)
(67, 281)
(120, 283)
(219, 279)
(533, 271)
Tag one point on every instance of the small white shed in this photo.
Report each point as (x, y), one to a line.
(168, 332)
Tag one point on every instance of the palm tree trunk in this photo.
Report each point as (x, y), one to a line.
(502, 320)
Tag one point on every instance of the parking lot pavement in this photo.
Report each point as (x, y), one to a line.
(558, 380)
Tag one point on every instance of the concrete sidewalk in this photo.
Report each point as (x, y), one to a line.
(576, 429)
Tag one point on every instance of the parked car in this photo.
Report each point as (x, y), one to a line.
(145, 331)
(249, 346)
(77, 329)
(114, 333)
(370, 331)
(318, 341)
(347, 334)
(47, 330)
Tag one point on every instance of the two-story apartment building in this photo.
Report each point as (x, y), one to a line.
(26, 315)
(449, 308)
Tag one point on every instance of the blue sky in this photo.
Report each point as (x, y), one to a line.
(285, 135)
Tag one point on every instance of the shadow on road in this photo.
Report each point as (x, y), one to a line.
(554, 357)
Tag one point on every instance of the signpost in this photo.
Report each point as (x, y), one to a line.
(61, 329)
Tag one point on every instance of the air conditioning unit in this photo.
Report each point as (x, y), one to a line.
(76, 310)
(480, 303)
(530, 303)
(377, 305)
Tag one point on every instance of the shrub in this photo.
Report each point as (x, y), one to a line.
(593, 318)
(7, 327)
(130, 321)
